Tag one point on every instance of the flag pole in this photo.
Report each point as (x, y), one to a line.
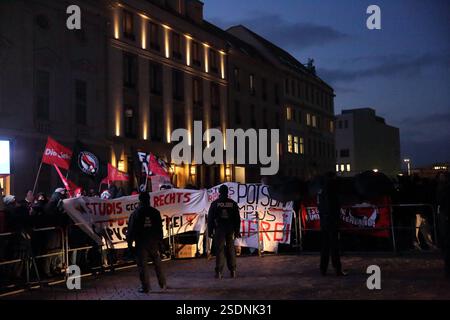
(37, 177)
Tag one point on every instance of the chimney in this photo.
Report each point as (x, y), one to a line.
(194, 10)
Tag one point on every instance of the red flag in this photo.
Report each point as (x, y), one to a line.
(157, 167)
(71, 187)
(57, 154)
(115, 175)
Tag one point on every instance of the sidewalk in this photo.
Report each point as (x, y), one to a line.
(269, 277)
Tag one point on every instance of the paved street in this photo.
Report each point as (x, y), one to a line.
(269, 277)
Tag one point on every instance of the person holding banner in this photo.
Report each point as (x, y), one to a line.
(224, 223)
(145, 229)
(329, 209)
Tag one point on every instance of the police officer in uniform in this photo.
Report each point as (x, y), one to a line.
(145, 229)
(329, 209)
(224, 224)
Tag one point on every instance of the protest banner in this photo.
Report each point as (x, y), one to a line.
(365, 218)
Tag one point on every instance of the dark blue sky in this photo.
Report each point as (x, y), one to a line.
(402, 70)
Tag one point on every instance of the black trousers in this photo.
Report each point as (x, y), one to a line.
(143, 254)
(330, 246)
(224, 242)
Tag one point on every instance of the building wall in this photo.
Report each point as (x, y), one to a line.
(35, 44)
(305, 94)
(173, 113)
(376, 145)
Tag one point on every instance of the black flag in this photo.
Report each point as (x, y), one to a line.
(87, 163)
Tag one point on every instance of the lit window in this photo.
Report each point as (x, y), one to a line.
(342, 167)
(337, 167)
(308, 119)
(288, 113)
(348, 167)
(314, 121)
(331, 126)
(252, 84)
(302, 147)
(290, 143)
(296, 144)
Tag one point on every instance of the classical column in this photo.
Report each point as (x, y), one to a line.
(115, 75)
(167, 102)
(144, 99)
(189, 104)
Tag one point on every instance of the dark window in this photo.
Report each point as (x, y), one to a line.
(130, 120)
(264, 89)
(196, 57)
(265, 119)
(286, 86)
(155, 78)
(345, 153)
(340, 124)
(293, 87)
(81, 102)
(154, 36)
(178, 85)
(277, 93)
(277, 120)
(42, 95)
(128, 25)
(129, 70)
(345, 124)
(215, 105)
(215, 96)
(252, 84)
(213, 60)
(253, 117)
(156, 124)
(176, 45)
(197, 93)
(237, 112)
(299, 89)
(299, 117)
(236, 82)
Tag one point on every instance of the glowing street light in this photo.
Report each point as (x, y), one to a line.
(408, 164)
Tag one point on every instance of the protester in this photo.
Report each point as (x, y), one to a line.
(329, 207)
(224, 223)
(19, 223)
(54, 217)
(145, 229)
(443, 209)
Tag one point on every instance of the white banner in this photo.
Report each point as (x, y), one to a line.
(255, 205)
(185, 210)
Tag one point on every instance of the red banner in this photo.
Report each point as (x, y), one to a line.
(115, 175)
(365, 219)
(57, 154)
(71, 187)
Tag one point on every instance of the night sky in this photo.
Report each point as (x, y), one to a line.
(402, 70)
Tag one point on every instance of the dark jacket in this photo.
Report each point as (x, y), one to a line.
(328, 204)
(145, 226)
(224, 215)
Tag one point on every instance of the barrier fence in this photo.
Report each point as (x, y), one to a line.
(66, 251)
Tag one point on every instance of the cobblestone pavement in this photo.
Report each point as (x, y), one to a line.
(294, 277)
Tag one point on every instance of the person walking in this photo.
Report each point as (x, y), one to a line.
(329, 207)
(145, 229)
(224, 224)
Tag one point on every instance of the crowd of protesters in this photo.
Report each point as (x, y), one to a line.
(24, 218)
(31, 227)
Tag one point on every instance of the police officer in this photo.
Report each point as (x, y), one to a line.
(329, 209)
(224, 225)
(145, 229)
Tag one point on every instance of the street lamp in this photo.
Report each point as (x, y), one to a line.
(408, 164)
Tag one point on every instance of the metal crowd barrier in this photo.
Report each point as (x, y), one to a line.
(392, 228)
